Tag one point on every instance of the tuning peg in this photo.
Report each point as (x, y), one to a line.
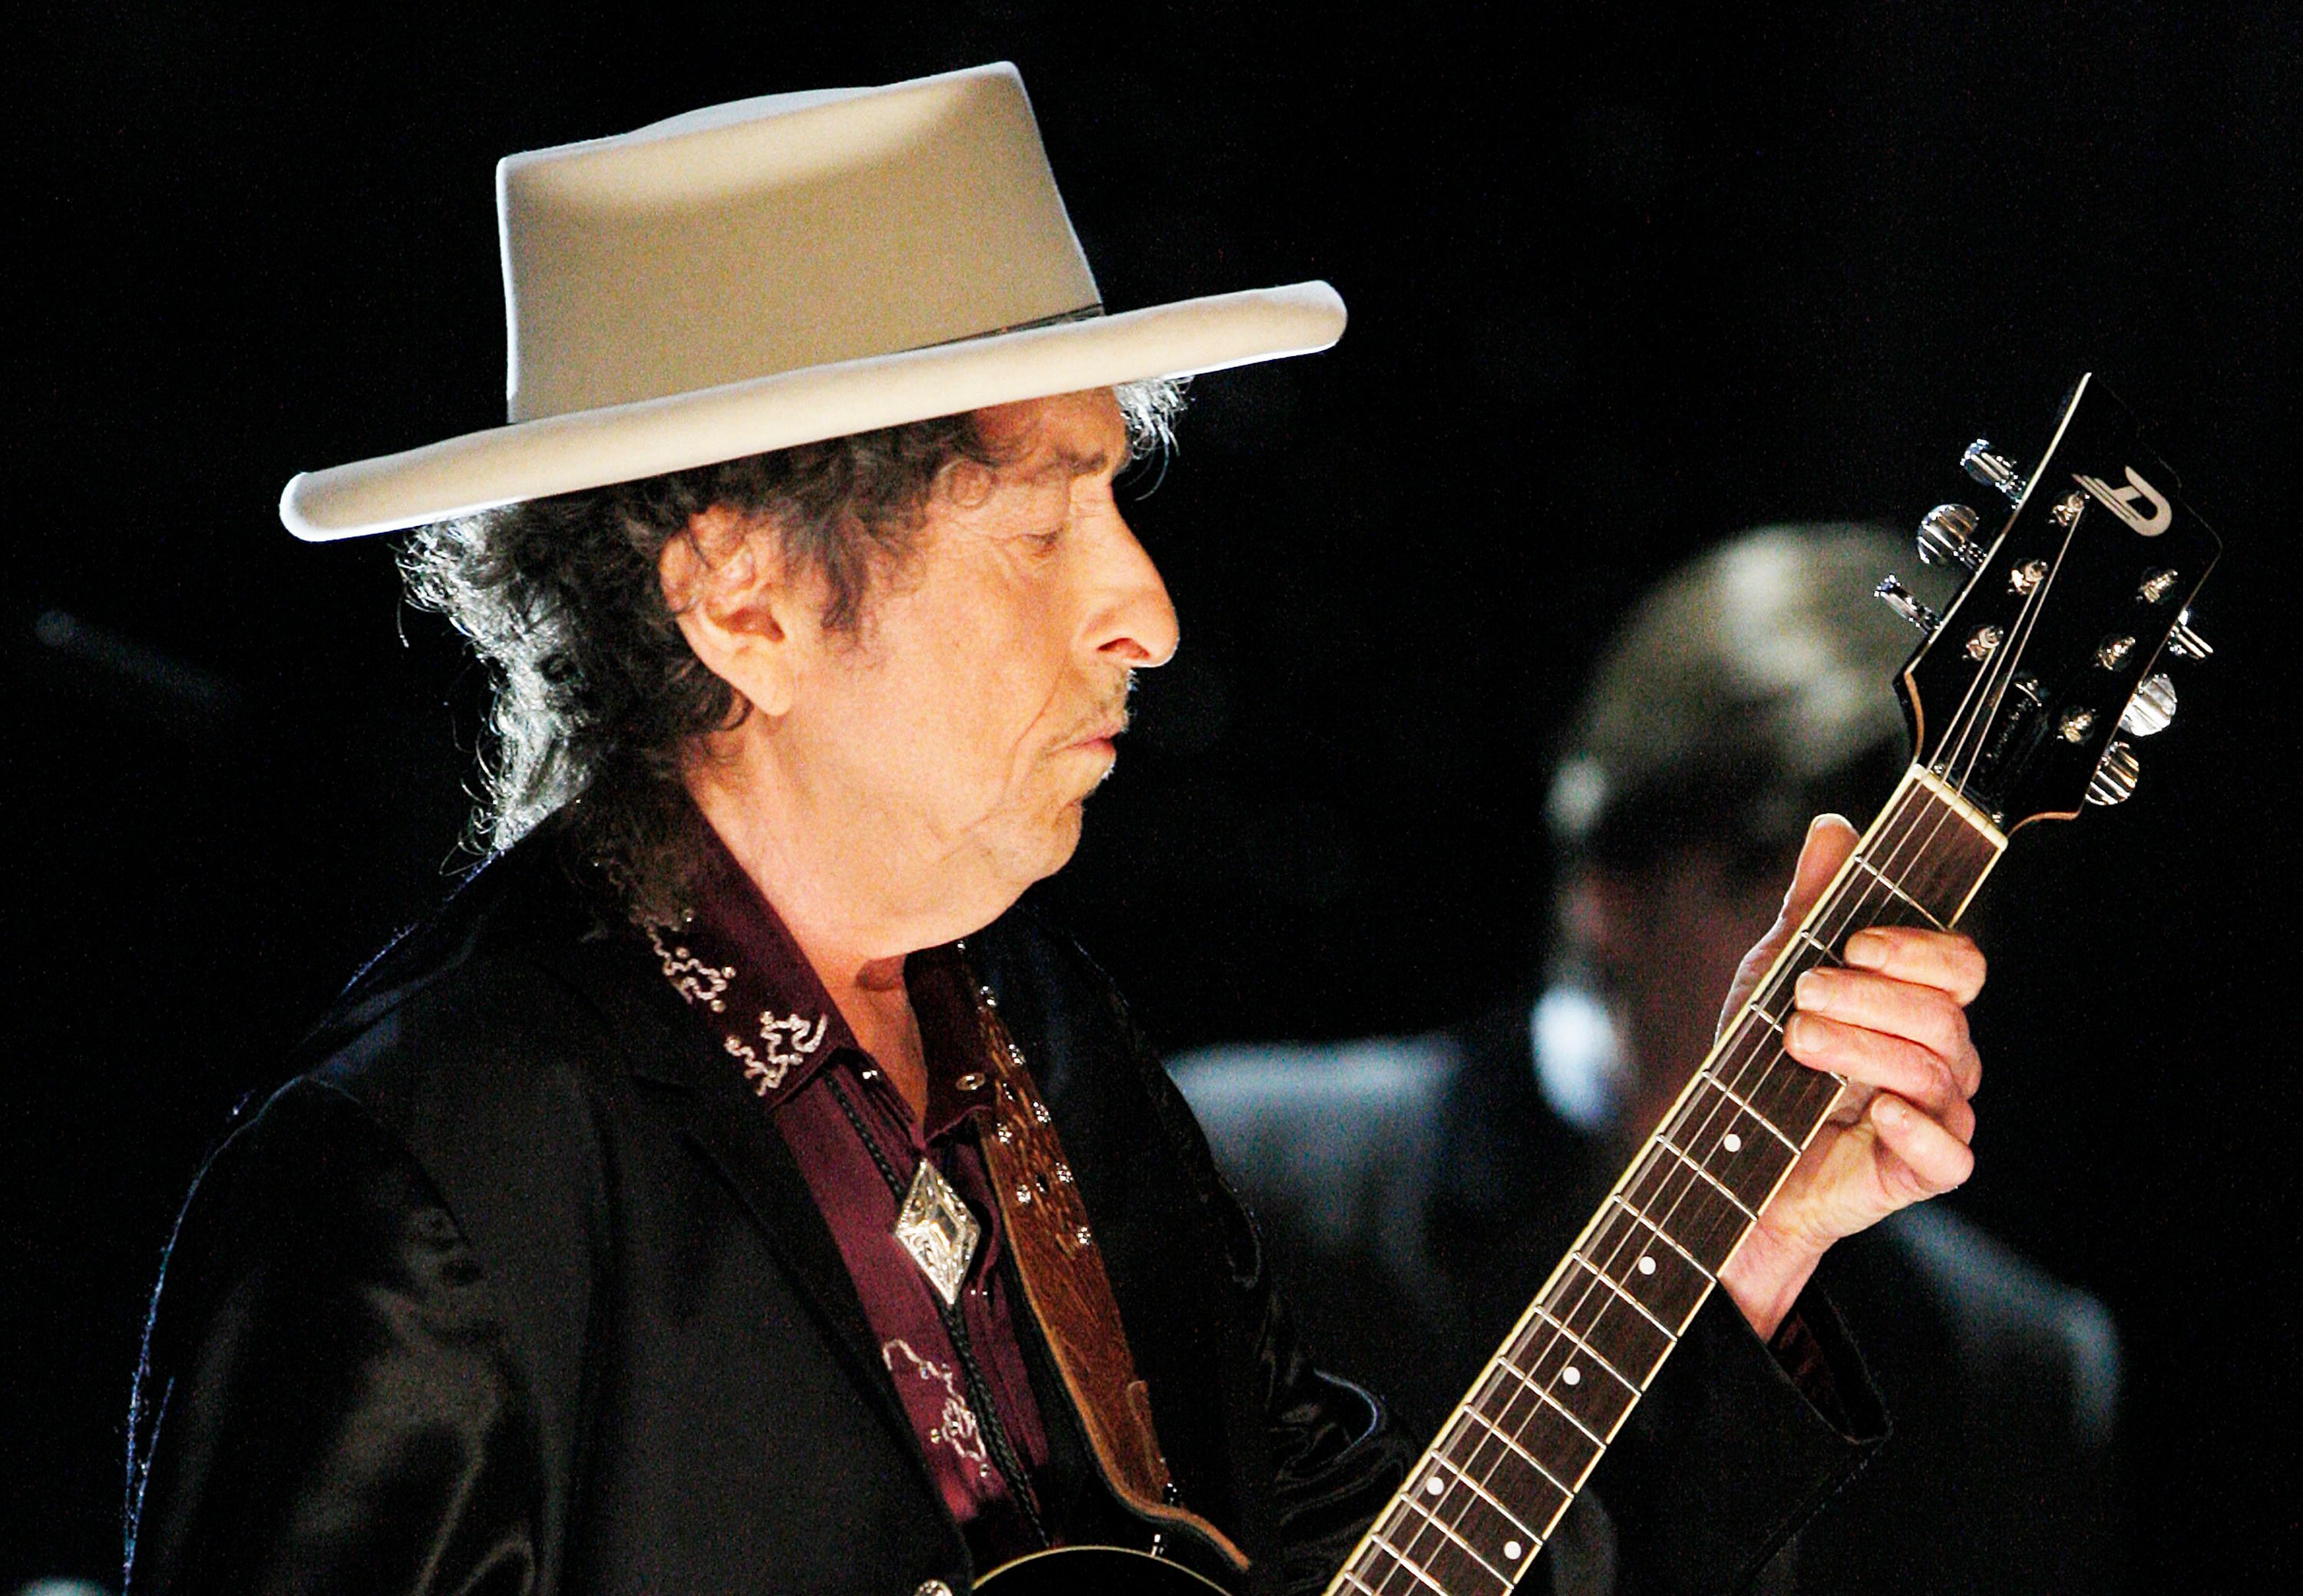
(1901, 600)
(2113, 782)
(1992, 470)
(2152, 707)
(1947, 534)
(2184, 643)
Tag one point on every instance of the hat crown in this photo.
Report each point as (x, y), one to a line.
(774, 234)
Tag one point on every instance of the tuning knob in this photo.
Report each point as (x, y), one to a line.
(2184, 643)
(1904, 602)
(2152, 707)
(2113, 782)
(1992, 470)
(1947, 534)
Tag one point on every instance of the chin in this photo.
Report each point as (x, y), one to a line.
(1069, 827)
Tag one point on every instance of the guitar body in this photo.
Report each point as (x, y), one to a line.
(1099, 1570)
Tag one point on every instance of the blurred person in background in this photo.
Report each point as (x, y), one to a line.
(1415, 1192)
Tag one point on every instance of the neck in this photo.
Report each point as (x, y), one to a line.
(854, 933)
(1512, 1457)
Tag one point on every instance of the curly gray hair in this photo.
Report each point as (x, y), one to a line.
(595, 694)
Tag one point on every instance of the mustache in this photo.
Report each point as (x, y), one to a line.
(1108, 718)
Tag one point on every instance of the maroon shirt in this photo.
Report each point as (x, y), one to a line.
(740, 970)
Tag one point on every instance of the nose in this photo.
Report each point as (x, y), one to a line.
(1134, 620)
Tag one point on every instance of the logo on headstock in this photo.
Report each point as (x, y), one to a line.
(2126, 503)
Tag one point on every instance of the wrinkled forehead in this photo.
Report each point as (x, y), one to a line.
(1054, 439)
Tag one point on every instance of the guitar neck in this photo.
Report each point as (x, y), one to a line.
(1513, 1455)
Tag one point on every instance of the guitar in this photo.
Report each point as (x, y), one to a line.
(2023, 701)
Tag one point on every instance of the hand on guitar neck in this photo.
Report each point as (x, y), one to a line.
(1892, 1025)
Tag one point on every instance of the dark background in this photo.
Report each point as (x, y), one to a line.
(1622, 281)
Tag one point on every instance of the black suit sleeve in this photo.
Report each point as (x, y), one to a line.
(1728, 1456)
(327, 1401)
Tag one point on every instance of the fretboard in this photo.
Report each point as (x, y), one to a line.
(1513, 1455)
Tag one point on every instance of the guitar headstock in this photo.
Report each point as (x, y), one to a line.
(2030, 691)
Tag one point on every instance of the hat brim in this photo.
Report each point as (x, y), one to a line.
(588, 449)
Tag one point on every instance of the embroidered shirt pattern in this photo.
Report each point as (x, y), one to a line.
(956, 1429)
(693, 978)
(766, 1074)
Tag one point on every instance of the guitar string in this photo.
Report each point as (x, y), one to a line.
(1671, 1137)
(2035, 603)
(2001, 669)
(1846, 908)
(1851, 905)
(1990, 684)
(1969, 721)
(1411, 1548)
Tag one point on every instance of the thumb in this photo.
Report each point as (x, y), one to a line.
(1829, 840)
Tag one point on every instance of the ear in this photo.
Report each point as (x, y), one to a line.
(723, 580)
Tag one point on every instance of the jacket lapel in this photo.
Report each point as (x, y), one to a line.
(669, 1052)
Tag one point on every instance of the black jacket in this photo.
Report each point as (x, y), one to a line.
(515, 1289)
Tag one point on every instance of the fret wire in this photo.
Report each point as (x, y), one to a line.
(1542, 1394)
(1410, 1521)
(1794, 1096)
(1539, 1424)
(1605, 1279)
(1876, 873)
(1677, 1122)
(1802, 935)
(1725, 1090)
(1448, 1530)
(1361, 1583)
(1464, 1479)
(1676, 1125)
(1696, 1165)
(1398, 1564)
(1545, 1316)
(1641, 1218)
(1753, 1081)
(1526, 1456)
(1413, 1568)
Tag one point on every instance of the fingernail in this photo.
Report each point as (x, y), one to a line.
(1866, 950)
(1892, 1110)
(1807, 990)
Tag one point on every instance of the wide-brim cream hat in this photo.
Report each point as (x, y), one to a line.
(781, 270)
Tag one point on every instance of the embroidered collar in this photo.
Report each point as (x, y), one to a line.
(733, 959)
(736, 963)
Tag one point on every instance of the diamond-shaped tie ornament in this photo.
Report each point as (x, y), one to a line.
(937, 1231)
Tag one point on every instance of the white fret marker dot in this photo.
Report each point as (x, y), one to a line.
(1647, 1266)
(1511, 1548)
(1571, 1375)
(1435, 1485)
(1732, 1141)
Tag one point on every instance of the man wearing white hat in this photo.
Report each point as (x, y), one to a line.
(727, 1191)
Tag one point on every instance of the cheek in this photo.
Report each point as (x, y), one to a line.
(974, 691)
